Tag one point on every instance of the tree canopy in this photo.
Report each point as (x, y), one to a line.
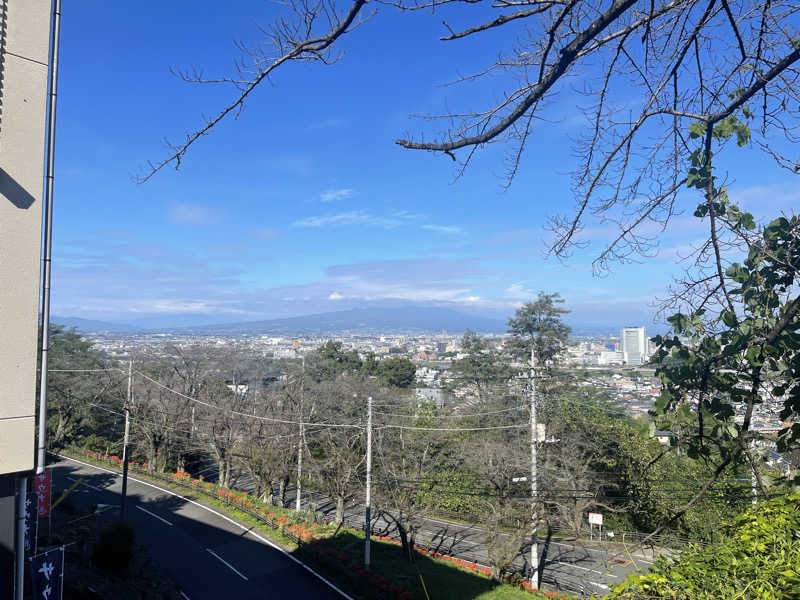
(538, 325)
(758, 557)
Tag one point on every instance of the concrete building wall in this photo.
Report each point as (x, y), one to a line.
(24, 39)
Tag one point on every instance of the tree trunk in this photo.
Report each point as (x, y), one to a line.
(497, 573)
(405, 542)
(282, 485)
(339, 511)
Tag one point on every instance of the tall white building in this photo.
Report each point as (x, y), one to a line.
(634, 345)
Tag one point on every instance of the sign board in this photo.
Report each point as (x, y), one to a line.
(47, 574)
(31, 522)
(24, 41)
(595, 518)
(41, 487)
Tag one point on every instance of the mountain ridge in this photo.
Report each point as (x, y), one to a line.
(409, 319)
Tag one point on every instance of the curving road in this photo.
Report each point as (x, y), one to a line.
(572, 566)
(206, 554)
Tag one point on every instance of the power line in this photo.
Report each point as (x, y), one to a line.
(464, 416)
(246, 415)
(202, 433)
(390, 426)
(105, 370)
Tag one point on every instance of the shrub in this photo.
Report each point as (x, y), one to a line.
(758, 557)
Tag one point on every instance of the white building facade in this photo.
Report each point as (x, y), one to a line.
(634, 345)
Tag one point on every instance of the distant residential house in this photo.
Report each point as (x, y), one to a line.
(662, 436)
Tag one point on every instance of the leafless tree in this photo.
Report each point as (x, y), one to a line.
(648, 70)
(338, 454)
(499, 460)
(160, 424)
(224, 425)
(266, 454)
(404, 458)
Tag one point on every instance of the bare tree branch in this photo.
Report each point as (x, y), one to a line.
(310, 48)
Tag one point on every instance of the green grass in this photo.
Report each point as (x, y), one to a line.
(441, 578)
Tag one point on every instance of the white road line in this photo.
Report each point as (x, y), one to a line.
(183, 594)
(600, 585)
(555, 562)
(90, 485)
(247, 530)
(588, 550)
(154, 515)
(227, 564)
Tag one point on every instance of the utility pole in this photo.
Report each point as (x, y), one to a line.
(753, 478)
(50, 152)
(125, 443)
(368, 508)
(300, 443)
(19, 574)
(534, 490)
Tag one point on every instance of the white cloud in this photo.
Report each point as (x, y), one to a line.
(335, 296)
(444, 228)
(355, 217)
(333, 195)
(517, 291)
(191, 214)
(170, 306)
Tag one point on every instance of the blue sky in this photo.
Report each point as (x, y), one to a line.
(304, 204)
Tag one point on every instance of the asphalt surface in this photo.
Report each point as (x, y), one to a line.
(206, 554)
(575, 566)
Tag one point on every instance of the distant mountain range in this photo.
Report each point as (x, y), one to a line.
(92, 326)
(408, 319)
(373, 320)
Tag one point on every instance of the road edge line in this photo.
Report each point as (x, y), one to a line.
(247, 530)
(227, 564)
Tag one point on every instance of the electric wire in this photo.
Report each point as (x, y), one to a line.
(464, 416)
(246, 415)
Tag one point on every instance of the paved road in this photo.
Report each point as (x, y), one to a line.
(571, 566)
(207, 555)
